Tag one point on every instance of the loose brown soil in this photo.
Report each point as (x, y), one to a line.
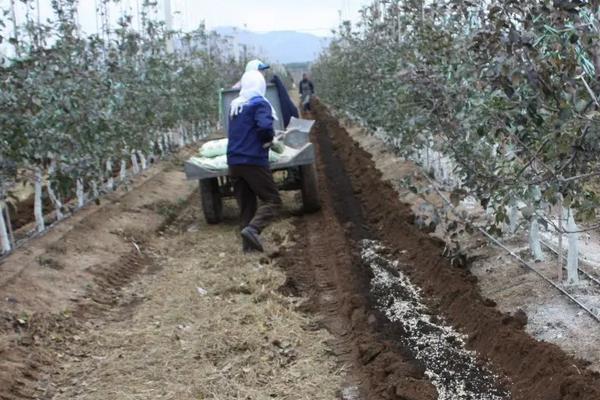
(324, 266)
(536, 370)
(22, 212)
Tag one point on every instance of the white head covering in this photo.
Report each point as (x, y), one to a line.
(253, 85)
(256, 65)
(253, 65)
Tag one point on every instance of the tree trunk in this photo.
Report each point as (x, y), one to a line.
(37, 202)
(4, 238)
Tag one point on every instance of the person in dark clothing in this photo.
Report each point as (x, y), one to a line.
(250, 135)
(307, 89)
(288, 109)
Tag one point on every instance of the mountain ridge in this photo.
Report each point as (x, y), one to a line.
(285, 47)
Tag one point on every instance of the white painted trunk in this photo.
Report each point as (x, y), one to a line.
(37, 202)
(438, 167)
(181, 137)
(534, 241)
(80, 193)
(95, 193)
(4, 238)
(134, 164)
(187, 137)
(445, 172)
(161, 147)
(167, 140)
(143, 160)
(53, 197)
(55, 200)
(151, 148)
(560, 238)
(573, 252)
(110, 182)
(123, 171)
(513, 217)
(536, 193)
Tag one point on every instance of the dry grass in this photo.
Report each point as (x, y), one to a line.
(234, 338)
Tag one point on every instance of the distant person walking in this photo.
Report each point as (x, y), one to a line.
(307, 90)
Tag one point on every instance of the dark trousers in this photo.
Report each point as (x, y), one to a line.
(250, 182)
(305, 102)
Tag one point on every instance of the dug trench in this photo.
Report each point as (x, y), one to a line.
(409, 323)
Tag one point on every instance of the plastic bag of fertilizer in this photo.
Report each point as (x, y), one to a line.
(216, 163)
(214, 148)
(220, 162)
(212, 163)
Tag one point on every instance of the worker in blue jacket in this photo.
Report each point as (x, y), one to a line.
(250, 136)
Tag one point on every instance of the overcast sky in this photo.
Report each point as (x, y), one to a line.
(313, 16)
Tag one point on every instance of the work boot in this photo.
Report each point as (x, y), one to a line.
(251, 235)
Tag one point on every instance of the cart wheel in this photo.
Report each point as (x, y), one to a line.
(212, 204)
(310, 188)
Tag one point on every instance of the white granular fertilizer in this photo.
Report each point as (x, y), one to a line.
(452, 368)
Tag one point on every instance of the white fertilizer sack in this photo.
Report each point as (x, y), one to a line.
(214, 148)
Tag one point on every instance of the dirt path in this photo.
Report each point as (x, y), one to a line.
(140, 299)
(210, 325)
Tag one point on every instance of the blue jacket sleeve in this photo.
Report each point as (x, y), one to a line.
(264, 122)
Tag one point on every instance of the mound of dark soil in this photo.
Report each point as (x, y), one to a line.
(363, 205)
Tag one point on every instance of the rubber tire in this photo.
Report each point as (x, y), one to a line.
(311, 200)
(212, 203)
